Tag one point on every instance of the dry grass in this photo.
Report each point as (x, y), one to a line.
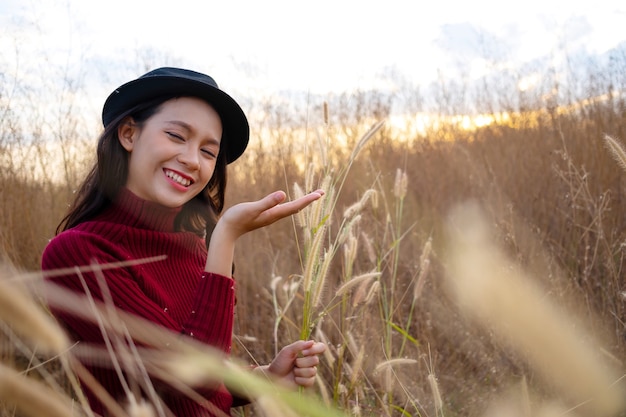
(535, 320)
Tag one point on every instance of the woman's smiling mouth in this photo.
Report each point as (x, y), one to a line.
(177, 178)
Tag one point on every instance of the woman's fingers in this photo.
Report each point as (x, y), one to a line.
(305, 377)
(307, 361)
(314, 349)
(276, 211)
(245, 217)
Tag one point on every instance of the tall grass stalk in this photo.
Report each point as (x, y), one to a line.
(504, 299)
(184, 363)
(315, 221)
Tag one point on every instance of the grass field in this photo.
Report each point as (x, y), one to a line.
(453, 270)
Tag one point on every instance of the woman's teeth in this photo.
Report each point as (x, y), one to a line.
(177, 178)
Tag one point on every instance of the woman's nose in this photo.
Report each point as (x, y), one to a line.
(190, 158)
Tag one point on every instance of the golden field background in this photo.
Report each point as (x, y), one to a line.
(459, 266)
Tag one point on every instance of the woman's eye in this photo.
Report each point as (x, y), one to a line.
(175, 135)
(209, 153)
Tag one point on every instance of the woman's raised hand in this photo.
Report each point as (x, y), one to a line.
(246, 217)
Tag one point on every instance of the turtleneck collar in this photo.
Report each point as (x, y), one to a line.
(131, 210)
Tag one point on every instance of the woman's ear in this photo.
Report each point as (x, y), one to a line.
(127, 133)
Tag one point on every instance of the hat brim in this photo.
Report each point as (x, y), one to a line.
(236, 131)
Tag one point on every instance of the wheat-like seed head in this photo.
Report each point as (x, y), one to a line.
(373, 292)
(359, 205)
(359, 279)
(366, 138)
(320, 281)
(390, 363)
(349, 253)
(400, 185)
(434, 388)
(19, 310)
(323, 390)
(369, 248)
(357, 366)
(347, 230)
(325, 109)
(424, 268)
(328, 356)
(31, 397)
(505, 299)
(300, 215)
(313, 259)
(617, 150)
(309, 176)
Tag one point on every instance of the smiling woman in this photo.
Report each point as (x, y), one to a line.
(173, 154)
(157, 189)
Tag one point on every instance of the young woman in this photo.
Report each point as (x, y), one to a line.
(157, 188)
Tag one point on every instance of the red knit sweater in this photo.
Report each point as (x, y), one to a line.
(175, 293)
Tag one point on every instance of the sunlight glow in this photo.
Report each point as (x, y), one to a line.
(528, 83)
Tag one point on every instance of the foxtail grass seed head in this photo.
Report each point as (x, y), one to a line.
(359, 279)
(309, 176)
(328, 356)
(349, 254)
(434, 388)
(320, 281)
(369, 248)
(420, 282)
(366, 138)
(321, 208)
(400, 185)
(326, 118)
(274, 282)
(26, 317)
(290, 288)
(359, 205)
(388, 379)
(351, 343)
(347, 230)
(30, 397)
(360, 295)
(323, 390)
(312, 260)
(424, 267)
(300, 215)
(617, 150)
(357, 366)
(373, 292)
(316, 214)
(352, 210)
(391, 363)
(525, 398)
(504, 299)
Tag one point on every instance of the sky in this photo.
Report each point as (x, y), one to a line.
(257, 46)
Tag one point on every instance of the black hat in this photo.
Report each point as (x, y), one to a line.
(181, 82)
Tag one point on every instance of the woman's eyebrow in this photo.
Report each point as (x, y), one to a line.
(190, 128)
(180, 123)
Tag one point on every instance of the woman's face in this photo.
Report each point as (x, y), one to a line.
(173, 154)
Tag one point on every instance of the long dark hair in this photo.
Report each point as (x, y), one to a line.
(110, 172)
